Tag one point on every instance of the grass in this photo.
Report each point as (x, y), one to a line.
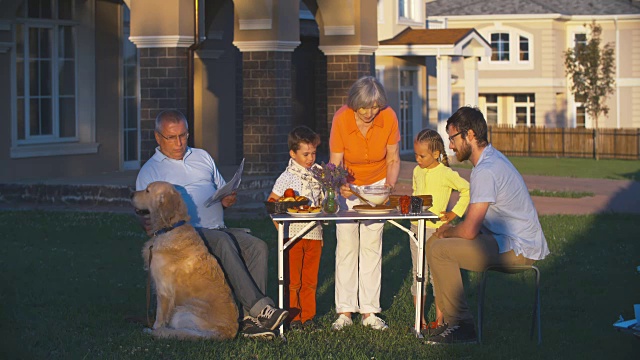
(561, 194)
(69, 281)
(574, 168)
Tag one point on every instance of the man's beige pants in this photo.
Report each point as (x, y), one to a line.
(447, 256)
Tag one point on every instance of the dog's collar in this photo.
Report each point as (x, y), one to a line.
(169, 228)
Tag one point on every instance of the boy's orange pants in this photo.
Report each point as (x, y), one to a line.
(302, 278)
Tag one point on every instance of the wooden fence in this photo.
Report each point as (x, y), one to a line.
(561, 142)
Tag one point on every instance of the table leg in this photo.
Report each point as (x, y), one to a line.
(419, 277)
(281, 270)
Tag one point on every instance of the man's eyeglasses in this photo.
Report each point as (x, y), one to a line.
(454, 135)
(174, 138)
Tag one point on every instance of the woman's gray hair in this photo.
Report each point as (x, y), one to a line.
(170, 116)
(365, 92)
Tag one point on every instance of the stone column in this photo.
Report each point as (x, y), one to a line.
(342, 72)
(163, 85)
(266, 110)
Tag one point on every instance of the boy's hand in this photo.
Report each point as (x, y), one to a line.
(447, 216)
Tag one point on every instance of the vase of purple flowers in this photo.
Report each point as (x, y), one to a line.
(331, 177)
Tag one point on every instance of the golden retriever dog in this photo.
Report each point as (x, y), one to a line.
(194, 300)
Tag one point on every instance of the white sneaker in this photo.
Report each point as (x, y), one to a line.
(343, 320)
(375, 323)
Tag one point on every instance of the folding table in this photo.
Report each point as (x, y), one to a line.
(352, 215)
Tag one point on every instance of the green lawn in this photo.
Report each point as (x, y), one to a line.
(577, 168)
(69, 281)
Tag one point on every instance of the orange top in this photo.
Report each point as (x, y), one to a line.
(364, 157)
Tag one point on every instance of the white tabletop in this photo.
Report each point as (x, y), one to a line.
(354, 215)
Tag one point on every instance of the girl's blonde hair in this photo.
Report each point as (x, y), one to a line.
(434, 142)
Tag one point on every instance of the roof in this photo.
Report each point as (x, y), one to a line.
(528, 7)
(411, 36)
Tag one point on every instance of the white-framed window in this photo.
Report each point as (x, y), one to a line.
(491, 109)
(500, 47)
(524, 107)
(53, 110)
(511, 49)
(581, 117)
(410, 12)
(45, 59)
(409, 106)
(579, 39)
(523, 54)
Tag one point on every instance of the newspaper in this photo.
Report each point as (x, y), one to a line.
(227, 188)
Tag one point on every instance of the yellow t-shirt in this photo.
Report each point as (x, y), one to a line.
(439, 182)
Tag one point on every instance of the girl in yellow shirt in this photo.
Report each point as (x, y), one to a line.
(434, 177)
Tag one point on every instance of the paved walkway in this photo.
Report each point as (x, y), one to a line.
(619, 196)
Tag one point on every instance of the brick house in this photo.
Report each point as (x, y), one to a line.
(84, 80)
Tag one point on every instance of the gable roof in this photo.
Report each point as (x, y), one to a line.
(528, 7)
(411, 36)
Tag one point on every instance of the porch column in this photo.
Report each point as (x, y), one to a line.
(342, 72)
(162, 33)
(444, 96)
(471, 81)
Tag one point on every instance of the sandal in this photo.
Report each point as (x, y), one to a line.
(432, 329)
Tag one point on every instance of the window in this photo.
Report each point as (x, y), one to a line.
(500, 47)
(525, 110)
(524, 49)
(410, 12)
(405, 9)
(579, 40)
(491, 112)
(581, 112)
(46, 64)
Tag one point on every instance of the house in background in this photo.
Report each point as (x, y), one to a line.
(83, 80)
(523, 82)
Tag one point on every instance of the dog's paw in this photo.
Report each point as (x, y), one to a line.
(147, 330)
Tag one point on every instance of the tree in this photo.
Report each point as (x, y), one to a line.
(591, 72)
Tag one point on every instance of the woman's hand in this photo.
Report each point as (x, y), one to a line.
(345, 191)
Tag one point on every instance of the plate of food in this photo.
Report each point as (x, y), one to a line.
(380, 209)
(304, 211)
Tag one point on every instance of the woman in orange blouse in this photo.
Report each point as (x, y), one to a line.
(364, 138)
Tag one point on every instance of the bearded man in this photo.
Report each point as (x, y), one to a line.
(500, 227)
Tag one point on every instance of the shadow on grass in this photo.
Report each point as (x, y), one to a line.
(69, 280)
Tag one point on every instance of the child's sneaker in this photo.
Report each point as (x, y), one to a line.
(343, 320)
(463, 333)
(375, 322)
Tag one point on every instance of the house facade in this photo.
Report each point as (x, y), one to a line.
(82, 81)
(522, 82)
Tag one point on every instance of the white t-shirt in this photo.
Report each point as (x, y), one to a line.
(292, 180)
(196, 177)
(511, 217)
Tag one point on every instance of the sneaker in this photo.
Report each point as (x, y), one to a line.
(343, 320)
(375, 322)
(433, 329)
(271, 317)
(310, 325)
(463, 333)
(251, 328)
(295, 325)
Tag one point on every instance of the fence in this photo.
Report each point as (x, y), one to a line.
(561, 142)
